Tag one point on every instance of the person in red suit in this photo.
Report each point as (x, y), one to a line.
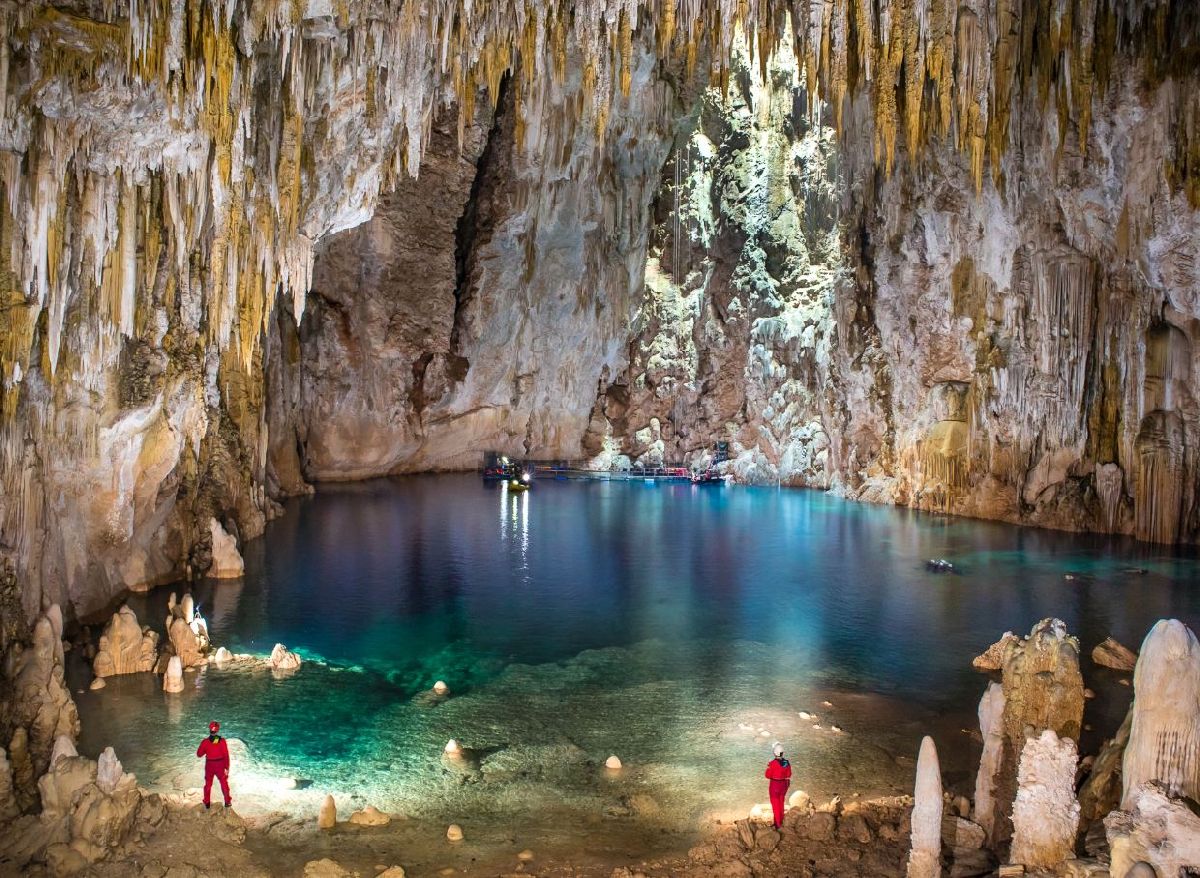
(779, 773)
(215, 751)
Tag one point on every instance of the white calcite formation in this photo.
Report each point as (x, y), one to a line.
(125, 646)
(991, 728)
(612, 762)
(1045, 813)
(454, 832)
(226, 560)
(1156, 829)
(924, 858)
(283, 659)
(1164, 737)
(370, 816)
(173, 678)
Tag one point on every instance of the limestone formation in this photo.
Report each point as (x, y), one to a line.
(370, 816)
(1164, 736)
(226, 560)
(1156, 829)
(1043, 689)
(1111, 654)
(991, 727)
(440, 688)
(327, 816)
(612, 762)
(1045, 812)
(924, 858)
(222, 655)
(452, 748)
(173, 678)
(282, 659)
(326, 868)
(454, 832)
(8, 800)
(188, 638)
(125, 647)
(1101, 791)
(992, 658)
(41, 709)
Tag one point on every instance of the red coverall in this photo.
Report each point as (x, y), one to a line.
(779, 772)
(216, 764)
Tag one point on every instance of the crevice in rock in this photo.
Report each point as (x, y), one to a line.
(467, 230)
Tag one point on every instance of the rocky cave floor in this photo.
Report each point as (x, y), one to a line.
(867, 838)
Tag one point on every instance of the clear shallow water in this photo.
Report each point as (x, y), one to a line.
(669, 624)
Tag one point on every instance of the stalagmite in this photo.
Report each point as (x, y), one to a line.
(991, 727)
(924, 858)
(327, 816)
(440, 688)
(1164, 737)
(125, 648)
(1045, 812)
(454, 832)
(226, 560)
(452, 748)
(612, 762)
(1043, 689)
(173, 678)
(282, 659)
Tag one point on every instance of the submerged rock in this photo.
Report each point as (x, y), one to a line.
(282, 659)
(1111, 654)
(326, 868)
(370, 816)
(440, 688)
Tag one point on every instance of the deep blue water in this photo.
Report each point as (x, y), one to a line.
(667, 622)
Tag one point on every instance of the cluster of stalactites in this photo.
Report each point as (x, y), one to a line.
(241, 101)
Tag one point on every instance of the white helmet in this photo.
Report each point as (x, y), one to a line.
(777, 748)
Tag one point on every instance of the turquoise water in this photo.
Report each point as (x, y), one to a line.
(682, 628)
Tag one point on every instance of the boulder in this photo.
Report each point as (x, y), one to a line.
(612, 762)
(327, 816)
(991, 727)
(370, 816)
(1158, 830)
(1164, 735)
(961, 835)
(924, 857)
(222, 655)
(226, 560)
(125, 647)
(282, 659)
(452, 748)
(454, 832)
(97, 684)
(325, 868)
(173, 678)
(992, 658)
(1111, 654)
(440, 688)
(392, 872)
(1045, 813)
(1043, 689)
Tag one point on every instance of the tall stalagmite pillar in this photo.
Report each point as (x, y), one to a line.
(924, 858)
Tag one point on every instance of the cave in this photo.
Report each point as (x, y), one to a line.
(518, 425)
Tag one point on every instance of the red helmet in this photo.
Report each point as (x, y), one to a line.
(213, 726)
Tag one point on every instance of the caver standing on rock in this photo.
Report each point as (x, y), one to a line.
(779, 773)
(215, 751)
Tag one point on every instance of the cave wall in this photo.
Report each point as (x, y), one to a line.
(974, 287)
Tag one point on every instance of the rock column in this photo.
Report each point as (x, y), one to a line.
(925, 857)
(1045, 813)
